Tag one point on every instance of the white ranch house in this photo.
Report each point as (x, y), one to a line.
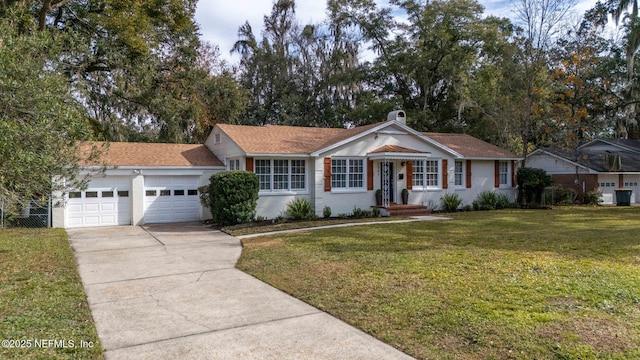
(338, 168)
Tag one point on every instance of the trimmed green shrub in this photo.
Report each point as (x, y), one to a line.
(486, 200)
(504, 202)
(233, 196)
(592, 198)
(450, 202)
(326, 212)
(300, 209)
(361, 213)
(531, 182)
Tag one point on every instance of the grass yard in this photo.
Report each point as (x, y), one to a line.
(42, 302)
(510, 284)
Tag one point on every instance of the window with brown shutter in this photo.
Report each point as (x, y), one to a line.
(249, 164)
(445, 174)
(369, 174)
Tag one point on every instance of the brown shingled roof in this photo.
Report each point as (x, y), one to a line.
(154, 154)
(277, 139)
(470, 147)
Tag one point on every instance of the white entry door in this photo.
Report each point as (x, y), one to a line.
(105, 202)
(171, 199)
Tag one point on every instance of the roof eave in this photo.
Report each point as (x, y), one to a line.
(152, 167)
(272, 155)
(380, 127)
(484, 158)
(398, 156)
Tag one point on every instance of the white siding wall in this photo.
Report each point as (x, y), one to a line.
(552, 165)
(225, 149)
(272, 206)
(341, 202)
(482, 179)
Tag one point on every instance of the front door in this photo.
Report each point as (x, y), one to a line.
(387, 176)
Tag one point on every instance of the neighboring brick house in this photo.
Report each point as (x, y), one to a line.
(601, 165)
(338, 168)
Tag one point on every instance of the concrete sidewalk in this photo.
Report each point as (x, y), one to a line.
(172, 292)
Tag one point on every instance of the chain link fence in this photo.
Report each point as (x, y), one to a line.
(31, 214)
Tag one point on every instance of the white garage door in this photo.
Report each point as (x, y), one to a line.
(106, 202)
(171, 199)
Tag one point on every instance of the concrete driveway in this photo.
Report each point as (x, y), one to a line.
(172, 292)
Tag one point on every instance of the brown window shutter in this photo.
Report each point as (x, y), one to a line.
(409, 175)
(327, 174)
(468, 174)
(496, 173)
(620, 180)
(445, 174)
(369, 174)
(514, 180)
(249, 164)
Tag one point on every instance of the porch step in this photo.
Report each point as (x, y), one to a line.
(407, 210)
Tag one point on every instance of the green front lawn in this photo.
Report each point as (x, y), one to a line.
(511, 284)
(42, 301)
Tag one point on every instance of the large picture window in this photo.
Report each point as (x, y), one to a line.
(279, 175)
(347, 173)
(425, 174)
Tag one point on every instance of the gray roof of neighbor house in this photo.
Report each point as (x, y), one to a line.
(276, 139)
(601, 161)
(627, 144)
(151, 154)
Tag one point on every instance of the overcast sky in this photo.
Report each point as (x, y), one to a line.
(219, 19)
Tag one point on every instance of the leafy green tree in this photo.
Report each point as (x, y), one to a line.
(619, 10)
(40, 119)
(585, 74)
(134, 65)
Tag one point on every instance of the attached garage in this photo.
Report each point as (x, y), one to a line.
(106, 202)
(144, 183)
(171, 199)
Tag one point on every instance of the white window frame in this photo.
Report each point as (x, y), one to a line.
(350, 176)
(504, 173)
(279, 180)
(233, 164)
(421, 171)
(459, 174)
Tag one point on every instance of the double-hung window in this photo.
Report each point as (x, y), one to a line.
(281, 175)
(459, 173)
(504, 173)
(426, 174)
(234, 164)
(263, 170)
(347, 174)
